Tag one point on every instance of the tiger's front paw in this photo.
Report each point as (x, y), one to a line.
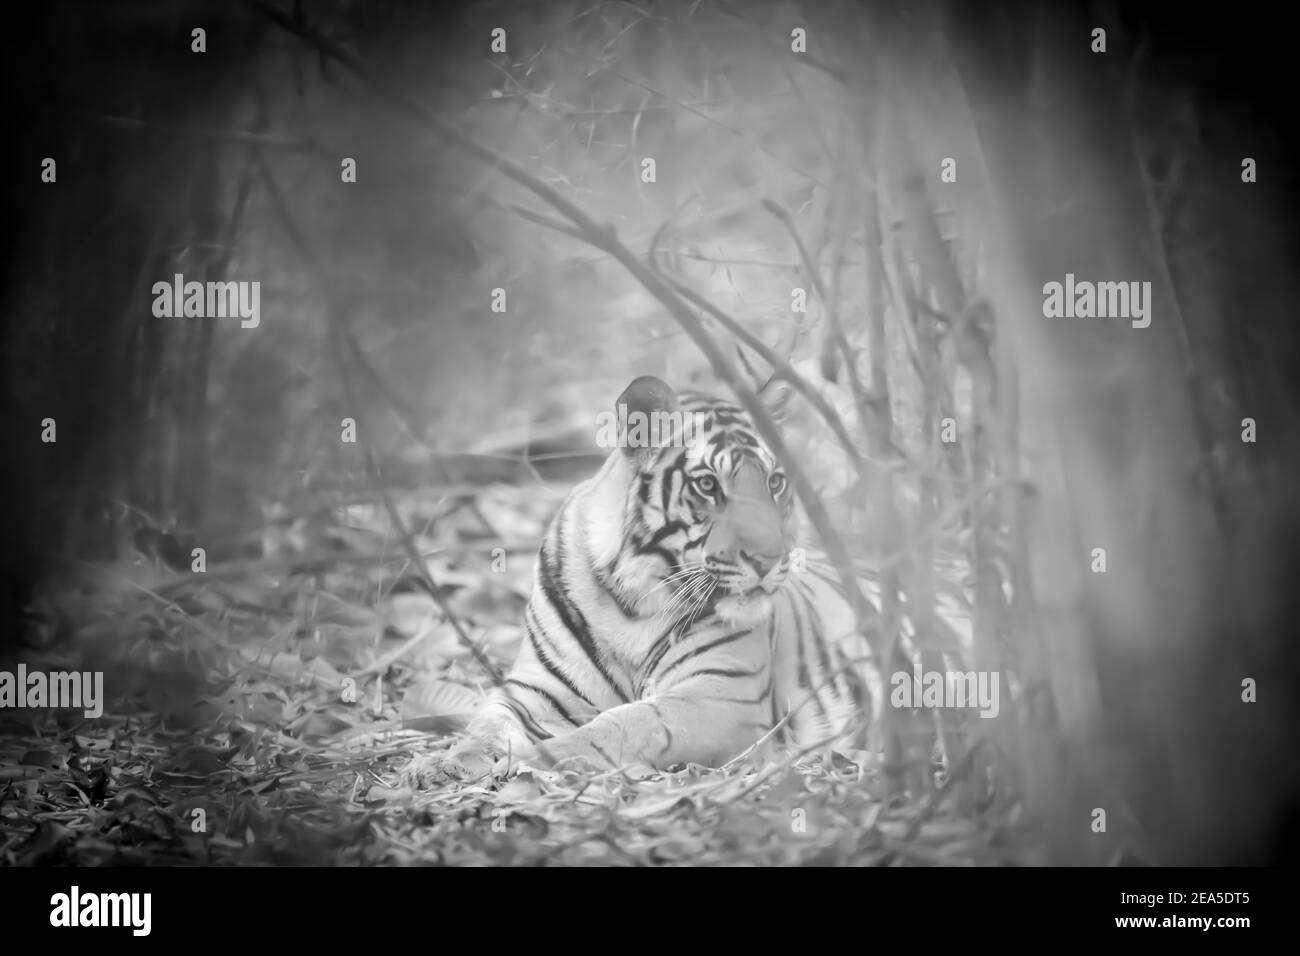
(463, 764)
(582, 763)
(573, 752)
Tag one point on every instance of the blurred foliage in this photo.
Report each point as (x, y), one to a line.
(775, 171)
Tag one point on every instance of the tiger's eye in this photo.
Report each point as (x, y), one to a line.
(776, 483)
(706, 484)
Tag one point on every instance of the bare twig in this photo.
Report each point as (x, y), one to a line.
(786, 372)
(868, 405)
(339, 334)
(402, 410)
(1192, 376)
(408, 544)
(805, 58)
(603, 237)
(785, 164)
(935, 797)
(238, 137)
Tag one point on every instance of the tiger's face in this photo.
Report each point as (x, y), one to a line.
(711, 509)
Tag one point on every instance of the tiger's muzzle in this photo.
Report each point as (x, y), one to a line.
(746, 548)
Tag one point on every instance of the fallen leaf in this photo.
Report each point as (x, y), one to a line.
(41, 758)
(438, 706)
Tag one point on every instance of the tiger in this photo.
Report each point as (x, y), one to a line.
(673, 620)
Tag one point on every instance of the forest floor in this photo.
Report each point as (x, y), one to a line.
(260, 713)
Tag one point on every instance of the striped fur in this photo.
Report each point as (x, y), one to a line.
(666, 625)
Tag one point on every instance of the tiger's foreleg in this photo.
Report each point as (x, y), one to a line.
(531, 707)
(691, 724)
(473, 757)
(704, 701)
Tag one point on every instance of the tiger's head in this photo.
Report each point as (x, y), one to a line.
(708, 510)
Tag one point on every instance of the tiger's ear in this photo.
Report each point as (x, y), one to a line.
(776, 394)
(636, 407)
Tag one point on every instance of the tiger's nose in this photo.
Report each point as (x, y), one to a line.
(761, 563)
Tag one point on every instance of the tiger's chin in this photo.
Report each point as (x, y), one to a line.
(747, 607)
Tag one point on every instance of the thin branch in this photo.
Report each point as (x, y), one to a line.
(603, 237)
(868, 405)
(408, 544)
(702, 115)
(805, 58)
(1192, 376)
(547, 221)
(785, 371)
(402, 411)
(338, 335)
(959, 770)
(237, 136)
